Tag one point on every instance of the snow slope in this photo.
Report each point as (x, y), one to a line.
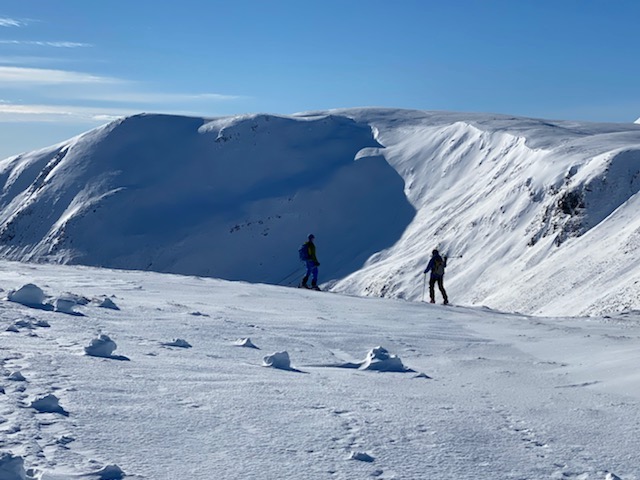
(199, 378)
(536, 208)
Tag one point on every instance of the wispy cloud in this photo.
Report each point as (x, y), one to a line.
(11, 22)
(156, 97)
(46, 44)
(10, 112)
(21, 76)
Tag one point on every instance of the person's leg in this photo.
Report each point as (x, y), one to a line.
(442, 290)
(305, 279)
(314, 276)
(432, 293)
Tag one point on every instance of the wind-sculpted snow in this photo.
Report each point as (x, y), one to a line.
(507, 396)
(537, 209)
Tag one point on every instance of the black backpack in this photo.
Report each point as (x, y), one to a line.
(303, 252)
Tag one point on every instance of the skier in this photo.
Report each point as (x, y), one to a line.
(308, 255)
(436, 265)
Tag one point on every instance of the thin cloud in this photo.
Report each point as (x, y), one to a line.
(21, 76)
(11, 22)
(46, 44)
(10, 112)
(73, 114)
(162, 98)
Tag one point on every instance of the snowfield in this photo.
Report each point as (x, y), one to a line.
(198, 378)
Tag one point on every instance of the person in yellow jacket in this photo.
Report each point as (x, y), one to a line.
(312, 264)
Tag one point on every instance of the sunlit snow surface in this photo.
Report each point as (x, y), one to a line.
(481, 394)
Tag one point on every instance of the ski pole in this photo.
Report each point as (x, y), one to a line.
(424, 285)
(288, 276)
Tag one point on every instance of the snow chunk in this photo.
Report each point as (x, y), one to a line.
(65, 440)
(110, 472)
(65, 304)
(246, 342)
(103, 347)
(48, 404)
(381, 360)
(17, 376)
(279, 360)
(29, 295)
(361, 456)
(106, 302)
(11, 468)
(178, 342)
(24, 323)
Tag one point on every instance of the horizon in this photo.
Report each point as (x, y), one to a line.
(67, 68)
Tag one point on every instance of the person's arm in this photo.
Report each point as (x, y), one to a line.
(429, 266)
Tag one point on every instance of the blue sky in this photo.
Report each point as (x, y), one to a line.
(68, 66)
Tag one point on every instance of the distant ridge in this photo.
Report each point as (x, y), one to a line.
(543, 212)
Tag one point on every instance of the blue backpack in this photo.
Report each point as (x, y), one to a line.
(303, 253)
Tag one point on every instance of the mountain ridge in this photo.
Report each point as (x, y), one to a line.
(521, 199)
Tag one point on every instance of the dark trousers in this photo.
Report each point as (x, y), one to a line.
(432, 283)
(312, 271)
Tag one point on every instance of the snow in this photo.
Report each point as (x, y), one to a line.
(536, 208)
(102, 346)
(472, 393)
(48, 404)
(173, 240)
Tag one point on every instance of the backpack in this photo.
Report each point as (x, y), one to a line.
(303, 252)
(438, 266)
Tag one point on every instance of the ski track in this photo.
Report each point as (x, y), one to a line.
(456, 425)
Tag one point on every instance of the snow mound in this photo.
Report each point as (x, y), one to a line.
(17, 376)
(245, 342)
(66, 303)
(103, 346)
(279, 360)
(30, 295)
(361, 456)
(11, 467)
(178, 342)
(381, 360)
(110, 472)
(106, 302)
(48, 404)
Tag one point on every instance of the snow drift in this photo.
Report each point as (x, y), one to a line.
(537, 209)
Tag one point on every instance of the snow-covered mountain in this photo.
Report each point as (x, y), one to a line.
(543, 213)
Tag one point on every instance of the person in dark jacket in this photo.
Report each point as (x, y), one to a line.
(437, 265)
(312, 264)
